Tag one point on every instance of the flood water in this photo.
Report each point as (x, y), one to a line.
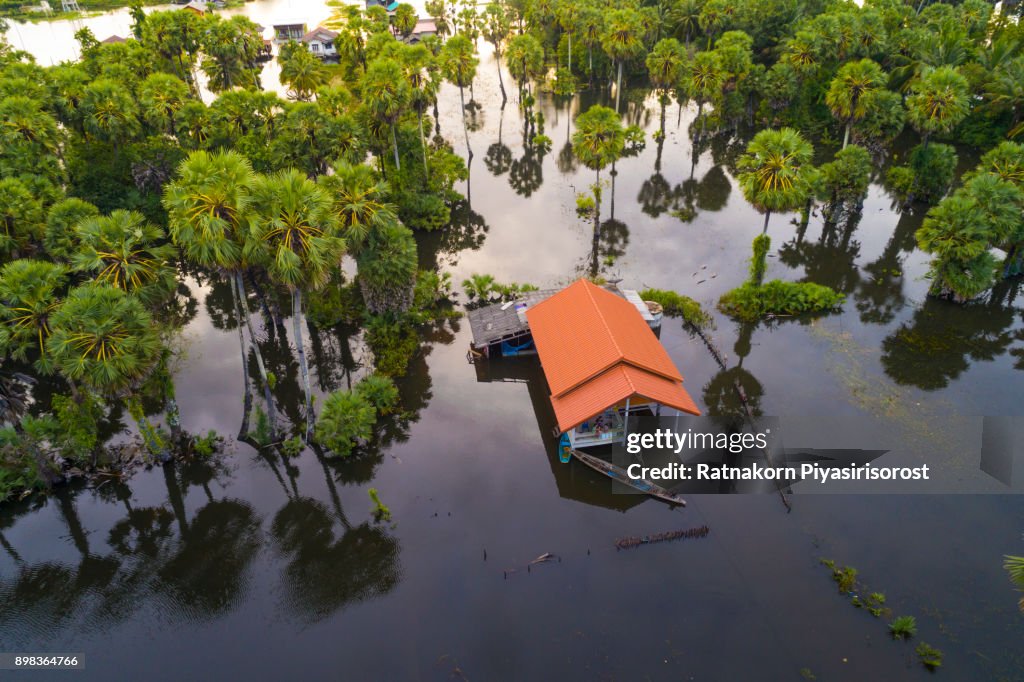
(259, 568)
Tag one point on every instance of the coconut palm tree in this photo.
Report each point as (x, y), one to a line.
(360, 203)
(954, 232)
(849, 95)
(598, 141)
(458, 64)
(940, 100)
(622, 40)
(30, 292)
(386, 96)
(294, 235)
(774, 171)
(126, 251)
(207, 213)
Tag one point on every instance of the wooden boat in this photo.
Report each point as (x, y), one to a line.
(619, 474)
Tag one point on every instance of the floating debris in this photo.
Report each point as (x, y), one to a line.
(689, 533)
(546, 556)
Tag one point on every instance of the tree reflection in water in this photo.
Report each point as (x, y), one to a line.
(942, 338)
(726, 391)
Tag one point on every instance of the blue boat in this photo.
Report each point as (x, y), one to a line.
(564, 449)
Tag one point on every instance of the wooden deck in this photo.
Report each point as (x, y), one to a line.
(500, 322)
(619, 474)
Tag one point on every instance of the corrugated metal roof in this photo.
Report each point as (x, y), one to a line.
(597, 350)
(583, 330)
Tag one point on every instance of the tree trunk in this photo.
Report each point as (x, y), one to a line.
(767, 215)
(271, 412)
(423, 144)
(501, 81)
(569, 34)
(465, 125)
(303, 367)
(846, 135)
(243, 430)
(618, 87)
(394, 147)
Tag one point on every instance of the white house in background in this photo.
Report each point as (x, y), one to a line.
(321, 42)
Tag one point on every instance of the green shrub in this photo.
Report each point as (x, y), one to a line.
(335, 303)
(292, 447)
(260, 433)
(759, 259)
(346, 419)
(903, 627)
(379, 391)
(393, 341)
(749, 302)
(205, 446)
(380, 511)
(677, 305)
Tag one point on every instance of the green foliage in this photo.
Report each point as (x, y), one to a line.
(260, 433)
(929, 656)
(903, 627)
(955, 233)
(585, 206)
(380, 511)
(750, 303)
(774, 170)
(76, 432)
(678, 305)
(61, 239)
(599, 138)
(380, 391)
(393, 341)
(293, 447)
(844, 181)
(347, 418)
(387, 269)
(335, 304)
(206, 446)
(927, 176)
(759, 260)
(1014, 565)
(19, 473)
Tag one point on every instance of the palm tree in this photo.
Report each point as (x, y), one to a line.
(417, 63)
(60, 240)
(386, 95)
(525, 58)
(1014, 565)
(300, 71)
(387, 269)
(940, 100)
(294, 235)
(126, 251)
(598, 141)
(849, 95)
(404, 20)
(30, 292)
(21, 218)
(687, 16)
(1001, 204)
(568, 14)
(590, 27)
(622, 40)
(207, 213)
(665, 66)
(703, 82)
(1005, 92)
(954, 232)
(495, 28)
(162, 96)
(360, 203)
(110, 114)
(714, 16)
(458, 64)
(774, 171)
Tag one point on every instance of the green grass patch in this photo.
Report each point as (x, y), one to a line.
(750, 302)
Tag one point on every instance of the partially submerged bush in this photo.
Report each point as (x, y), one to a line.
(393, 341)
(678, 305)
(380, 391)
(346, 420)
(749, 302)
(903, 627)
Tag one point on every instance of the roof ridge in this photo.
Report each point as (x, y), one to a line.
(600, 314)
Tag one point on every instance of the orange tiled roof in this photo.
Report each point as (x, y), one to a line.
(596, 351)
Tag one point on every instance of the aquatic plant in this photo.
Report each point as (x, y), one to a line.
(750, 303)
(380, 511)
(205, 446)
(929, 656)
(903, 627)
(1014, 565)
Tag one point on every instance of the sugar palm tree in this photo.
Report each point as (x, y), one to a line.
(30, 292)
(404, 20)
(940, 100)
(622, 40)
(598, 141)
(703, 81)
(849, 95)
(954, 233)
(162, 96)
(60, 240)
(1001, 204)
(126, 251)
(773, 171)
(666, 64)
(590, 27)
(458, 64)
(386, 96)
(525, 58)
(496, 25)
(359, 200)
(302, 72)
(294, 235)
(417, 63)
(207, 213)
(109, 113)
(387, 269)
(21, 218)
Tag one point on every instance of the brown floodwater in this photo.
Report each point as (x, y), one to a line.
(259, 568)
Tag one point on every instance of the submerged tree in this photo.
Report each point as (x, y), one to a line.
(940, 100)
(954, 233)
(849, 95)
(774, 171)
(622, 40)
(458, 64)
(599, 140)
